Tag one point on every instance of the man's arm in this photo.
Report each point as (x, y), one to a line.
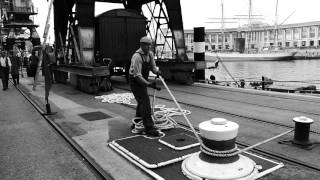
(154, 68)
(136, 67)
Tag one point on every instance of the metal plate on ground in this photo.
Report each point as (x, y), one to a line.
(173, 170)
(163, 162)
(93, 116)
(152, 154)
(180, 141)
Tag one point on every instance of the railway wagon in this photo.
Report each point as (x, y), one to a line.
(118, 32)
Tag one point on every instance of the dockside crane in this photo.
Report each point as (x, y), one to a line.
(75, 33)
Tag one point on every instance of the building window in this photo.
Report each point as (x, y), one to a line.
(312, 33)
(287, 44)
(213, 47)
(279, 34)
(303, 43)
(311, 43)
(265, 36)
(304, 32)
(295, 44)
(288, 34)
(213, 38)
(220, 39)
(296, 33)
(271, 36)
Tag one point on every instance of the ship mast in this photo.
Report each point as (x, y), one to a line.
(249, 24)
(276, 26)
(222, 24)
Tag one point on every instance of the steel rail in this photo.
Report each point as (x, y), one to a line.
(227, 113)
(257, 150)
(250, 103)
(85, 158)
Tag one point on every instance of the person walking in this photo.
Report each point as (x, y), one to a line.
(33, 64)
(15, 61)
(142, 62)
(5, 69)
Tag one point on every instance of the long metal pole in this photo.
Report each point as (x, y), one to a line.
(263, 142)
(179, 107)
(45, 35)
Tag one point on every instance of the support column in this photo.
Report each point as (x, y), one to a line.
(199, 50)
(85, 31)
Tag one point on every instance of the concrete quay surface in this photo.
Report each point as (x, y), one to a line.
(92, 136)
(30, 148)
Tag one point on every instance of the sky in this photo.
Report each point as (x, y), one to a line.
(196, 13)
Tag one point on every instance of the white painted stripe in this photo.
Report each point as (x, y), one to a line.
(198, 47)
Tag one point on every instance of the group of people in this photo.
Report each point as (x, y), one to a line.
(10, 64)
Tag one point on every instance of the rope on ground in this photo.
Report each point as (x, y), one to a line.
(162, 118)
(162, 115)
(120, 98)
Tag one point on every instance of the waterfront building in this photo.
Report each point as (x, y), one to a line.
(17, 24)
(260, 36)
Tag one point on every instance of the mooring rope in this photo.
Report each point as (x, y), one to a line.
(211, 152)
(120, 98)
(162, 115)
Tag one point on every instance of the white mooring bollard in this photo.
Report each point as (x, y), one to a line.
(218, 158)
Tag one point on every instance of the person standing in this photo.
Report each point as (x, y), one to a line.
(5, 69)
(142, 62)
(33, 64)
(15, 61)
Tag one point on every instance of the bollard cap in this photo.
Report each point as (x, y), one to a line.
(218, 129)
(303, 119)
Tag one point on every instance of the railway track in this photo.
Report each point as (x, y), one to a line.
(217, 97)
(225, 113)
(241, 144)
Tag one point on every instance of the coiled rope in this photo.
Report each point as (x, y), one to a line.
(162, 115)
(119, 98)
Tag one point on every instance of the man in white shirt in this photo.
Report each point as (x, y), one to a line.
(5, 64)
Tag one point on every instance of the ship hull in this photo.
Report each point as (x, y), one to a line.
(250, 57)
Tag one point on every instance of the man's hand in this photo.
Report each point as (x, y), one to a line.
(158, 73)
(154, 86)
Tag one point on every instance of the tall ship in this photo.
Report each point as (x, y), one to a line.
(255, 56)
(239, 53)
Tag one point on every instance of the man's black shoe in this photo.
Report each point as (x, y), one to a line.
(153, 132)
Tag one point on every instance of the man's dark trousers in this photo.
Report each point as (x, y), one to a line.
(5, 77)
(143, 108)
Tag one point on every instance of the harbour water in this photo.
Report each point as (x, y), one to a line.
(286, 73)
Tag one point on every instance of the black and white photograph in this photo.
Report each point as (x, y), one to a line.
(159, 90)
